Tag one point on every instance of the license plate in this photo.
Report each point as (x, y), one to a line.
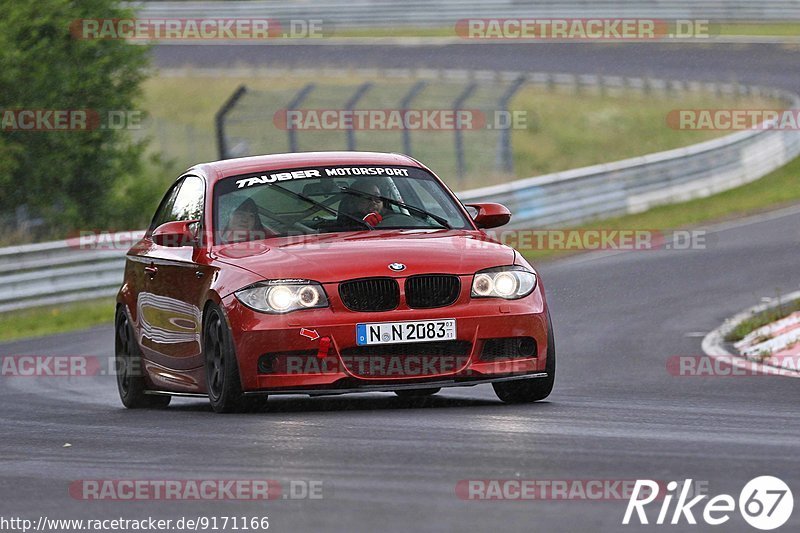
(395, 332)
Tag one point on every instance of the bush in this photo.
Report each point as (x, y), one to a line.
(71, 178)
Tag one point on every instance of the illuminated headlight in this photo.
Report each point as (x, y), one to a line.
(511, 283)
(283, 295)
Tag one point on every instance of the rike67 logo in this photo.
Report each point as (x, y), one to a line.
(765, 503)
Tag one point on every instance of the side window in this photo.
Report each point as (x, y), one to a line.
(189, 200)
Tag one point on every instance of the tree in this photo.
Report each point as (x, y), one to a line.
(68, 177)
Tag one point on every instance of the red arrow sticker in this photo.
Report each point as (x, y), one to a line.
(310, 333)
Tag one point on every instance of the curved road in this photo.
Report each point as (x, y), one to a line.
(392, 465)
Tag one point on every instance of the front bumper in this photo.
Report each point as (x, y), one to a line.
(274, 357)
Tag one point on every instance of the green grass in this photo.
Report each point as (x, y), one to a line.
(55, 319)
(758, 320)
(764, 29)
(781, 187)
(568, 131)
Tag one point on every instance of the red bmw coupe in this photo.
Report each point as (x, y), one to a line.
(326, 273)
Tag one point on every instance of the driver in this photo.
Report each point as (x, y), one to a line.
(367, 208)
(245, 224)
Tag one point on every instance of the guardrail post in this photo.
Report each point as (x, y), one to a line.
(296, 102)
(349, 106)
(505, 156)
(459, 135)
(219, 120)
(404, 104)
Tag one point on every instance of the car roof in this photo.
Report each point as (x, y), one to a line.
(225, 168)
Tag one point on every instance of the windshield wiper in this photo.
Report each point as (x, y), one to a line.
(412, 208)
(323, 206)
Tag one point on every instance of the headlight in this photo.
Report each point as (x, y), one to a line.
(510, 282)
(283, 295)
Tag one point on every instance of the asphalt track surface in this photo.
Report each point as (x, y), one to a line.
(771, 65)
(392, 465)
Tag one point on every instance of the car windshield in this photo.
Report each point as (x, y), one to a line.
(331, 199)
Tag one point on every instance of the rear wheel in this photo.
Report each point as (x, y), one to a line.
(416, 393)
(222, 370)
(130, 371)
(534, 389)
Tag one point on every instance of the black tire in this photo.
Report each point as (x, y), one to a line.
(223, 381)
(416, 393)
(131, 384)
(535, 389)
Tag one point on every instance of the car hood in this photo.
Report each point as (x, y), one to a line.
(333, 257)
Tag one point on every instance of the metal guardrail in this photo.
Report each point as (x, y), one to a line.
(64, 271)
(441, 13)
(54, 272)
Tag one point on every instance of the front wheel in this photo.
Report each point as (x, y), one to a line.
(130, 372)
(222, 370)
(534, 389)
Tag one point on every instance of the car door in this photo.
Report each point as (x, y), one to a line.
(137, 266)
(176, 280)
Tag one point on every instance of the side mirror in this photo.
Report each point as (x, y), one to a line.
(490, 215)
(175, 234)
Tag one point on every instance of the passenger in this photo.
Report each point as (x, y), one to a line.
(245, 224)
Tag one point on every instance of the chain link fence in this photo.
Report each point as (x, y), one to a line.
(458, 125)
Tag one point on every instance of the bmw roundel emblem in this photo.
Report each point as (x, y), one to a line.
(397, 267)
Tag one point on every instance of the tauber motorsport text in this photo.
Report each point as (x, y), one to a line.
(765, 503)
(300, 174)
